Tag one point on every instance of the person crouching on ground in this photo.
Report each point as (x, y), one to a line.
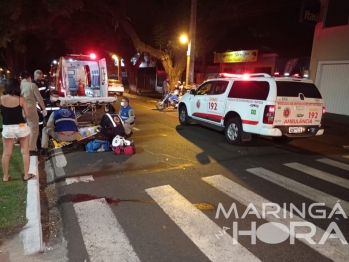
(61, 126)
(52, 104)
(127, 115)
(12, 106)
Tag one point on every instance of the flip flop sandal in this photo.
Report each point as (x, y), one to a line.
(31, 176)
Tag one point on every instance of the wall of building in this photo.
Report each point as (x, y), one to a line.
(329, 44)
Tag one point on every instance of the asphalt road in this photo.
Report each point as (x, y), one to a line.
(164, 203)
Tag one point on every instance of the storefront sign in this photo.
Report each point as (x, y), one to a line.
(310, 10)
(236, 56)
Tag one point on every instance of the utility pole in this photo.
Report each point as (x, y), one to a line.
(119, 69)
(189, 76)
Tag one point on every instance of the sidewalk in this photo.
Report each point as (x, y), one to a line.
(29, 240)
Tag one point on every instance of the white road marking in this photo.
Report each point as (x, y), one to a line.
(320, 174)
(57, 162)
(104, 238)
(31, 235)
(334, 163)
(198, 227)
(346, 156)
(135, 128)
(172, 115)
(60, 159)
(71, 180)
(303, 190)
(332, 248)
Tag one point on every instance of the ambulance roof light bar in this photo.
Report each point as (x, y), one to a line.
(92, 55)
(243, 76)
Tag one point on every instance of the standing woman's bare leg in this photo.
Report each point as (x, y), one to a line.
(24, 141)
(6, 155)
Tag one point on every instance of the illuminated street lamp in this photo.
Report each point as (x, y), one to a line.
(184, 39)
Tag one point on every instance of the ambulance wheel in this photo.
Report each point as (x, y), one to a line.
(233, 131)
(183, 116)
(282, 139)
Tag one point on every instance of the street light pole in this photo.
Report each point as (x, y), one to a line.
(188, 66)
(191, 45)
(119, 69)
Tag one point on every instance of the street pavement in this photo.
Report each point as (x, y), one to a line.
(186, 192)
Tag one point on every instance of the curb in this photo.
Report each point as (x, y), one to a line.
(31, 234)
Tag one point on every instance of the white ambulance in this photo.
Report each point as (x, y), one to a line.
(79, 75)
(242, 105)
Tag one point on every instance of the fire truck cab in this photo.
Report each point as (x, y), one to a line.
(79, 75)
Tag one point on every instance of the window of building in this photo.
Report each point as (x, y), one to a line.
(257, 90)
(337, 13)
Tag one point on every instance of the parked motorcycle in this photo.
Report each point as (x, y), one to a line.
(169, 100)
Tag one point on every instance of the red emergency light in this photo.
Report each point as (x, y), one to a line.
(227, 75)
(92, 56)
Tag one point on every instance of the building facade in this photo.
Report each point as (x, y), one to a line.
(329, 63)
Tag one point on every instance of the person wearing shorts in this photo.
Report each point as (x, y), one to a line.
(12, 106)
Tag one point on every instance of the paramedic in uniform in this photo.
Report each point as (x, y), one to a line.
(41, 83)
(31, 93)
(127, 115)
(51, 105)
(61, 126)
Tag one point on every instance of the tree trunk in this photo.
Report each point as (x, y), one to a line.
(131, 77)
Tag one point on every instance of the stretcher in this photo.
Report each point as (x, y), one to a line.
(91, 104)
(88, 133)
(53, 143)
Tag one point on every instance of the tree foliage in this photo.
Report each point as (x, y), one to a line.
(160, 36)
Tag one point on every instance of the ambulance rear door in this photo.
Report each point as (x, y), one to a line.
(103, 76)
(65, 82)
(298, 105)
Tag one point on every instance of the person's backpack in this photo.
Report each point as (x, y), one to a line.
(96, 145)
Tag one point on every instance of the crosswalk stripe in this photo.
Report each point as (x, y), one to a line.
(103, 236)
(198, 227)
(320, 174)
(334, 163)
(303, 190)
(71, 180)
(332, 248)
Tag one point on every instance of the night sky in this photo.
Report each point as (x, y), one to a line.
(222, 25)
